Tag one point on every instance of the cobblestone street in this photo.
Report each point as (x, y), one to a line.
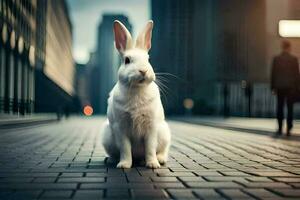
(65, 160)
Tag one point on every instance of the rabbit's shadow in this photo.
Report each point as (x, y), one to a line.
(112, 162)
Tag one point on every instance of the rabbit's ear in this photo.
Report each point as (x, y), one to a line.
(143, 41)
(123, 40)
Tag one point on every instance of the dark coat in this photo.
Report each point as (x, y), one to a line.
(285, 72)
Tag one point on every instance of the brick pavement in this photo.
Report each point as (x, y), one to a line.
(66, 161)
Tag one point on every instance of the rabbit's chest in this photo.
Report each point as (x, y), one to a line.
(136, 114)
(140, 121)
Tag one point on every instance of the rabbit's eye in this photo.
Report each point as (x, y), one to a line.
(127, 60)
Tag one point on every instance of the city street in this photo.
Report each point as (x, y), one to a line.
(65, 160)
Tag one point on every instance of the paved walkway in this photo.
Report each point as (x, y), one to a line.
(12, 120)
(267, 126)
(66, 161)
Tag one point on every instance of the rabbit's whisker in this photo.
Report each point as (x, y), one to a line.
(163, 88)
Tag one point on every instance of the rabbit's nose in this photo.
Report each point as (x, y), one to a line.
(143, 72)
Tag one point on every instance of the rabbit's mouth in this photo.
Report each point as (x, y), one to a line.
(139, 80)
(142, 80)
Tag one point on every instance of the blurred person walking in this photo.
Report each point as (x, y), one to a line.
(285, 78)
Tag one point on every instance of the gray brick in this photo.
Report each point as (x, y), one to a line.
(71, 175)
(258, 179)
(181, 194)
(213, 185)
(45, 180)
(138, 179)
(288, 180)
(88, 194)
(176, 174)
(235, 194)
(207, 194)
(296, 185)
(98, 174)
(157, 194)
(30, 175)
(162, 170)
(36, 186)
(226, 178)
(46, 174)
(16, 180)
(119, 179)
(235, 173)
(56, 194)
(81, 180)
(169, 185)
(117, 193)
(115, 185)
(261, 193)
(273, 174)
(191, 179)
(148, 173)
(265, 185)
(287, 192)
(208, 173)
(31, 194)
(164, 179)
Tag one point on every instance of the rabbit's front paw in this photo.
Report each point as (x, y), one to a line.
(161, 159)
(124, 164)
(153, 164)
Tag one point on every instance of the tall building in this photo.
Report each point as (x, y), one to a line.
(241, 40)
(36, 65)
(17, 55)
(54, 77)
(241, 59)
(183, 44)
(105, 62)
(81, 85)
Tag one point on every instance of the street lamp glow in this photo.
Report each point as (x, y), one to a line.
(289, 28)
(88, 110)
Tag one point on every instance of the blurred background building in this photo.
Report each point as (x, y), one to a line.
(36, 59)
(220, 52)
(17, 53)
(54, 79)
(81, 87)
(104, 63)
(184, 45)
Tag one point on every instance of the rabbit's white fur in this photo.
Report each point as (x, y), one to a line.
(136, 126)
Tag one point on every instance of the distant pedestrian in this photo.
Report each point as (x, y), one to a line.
(284, 83)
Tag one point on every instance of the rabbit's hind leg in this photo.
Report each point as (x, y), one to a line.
(109, 143)
(164, 139)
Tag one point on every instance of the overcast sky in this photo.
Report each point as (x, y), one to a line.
(87, 14)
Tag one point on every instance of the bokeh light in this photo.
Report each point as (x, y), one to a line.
(188, 103)
(88, 110)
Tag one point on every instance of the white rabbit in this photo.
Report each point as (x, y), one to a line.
(136, 126)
